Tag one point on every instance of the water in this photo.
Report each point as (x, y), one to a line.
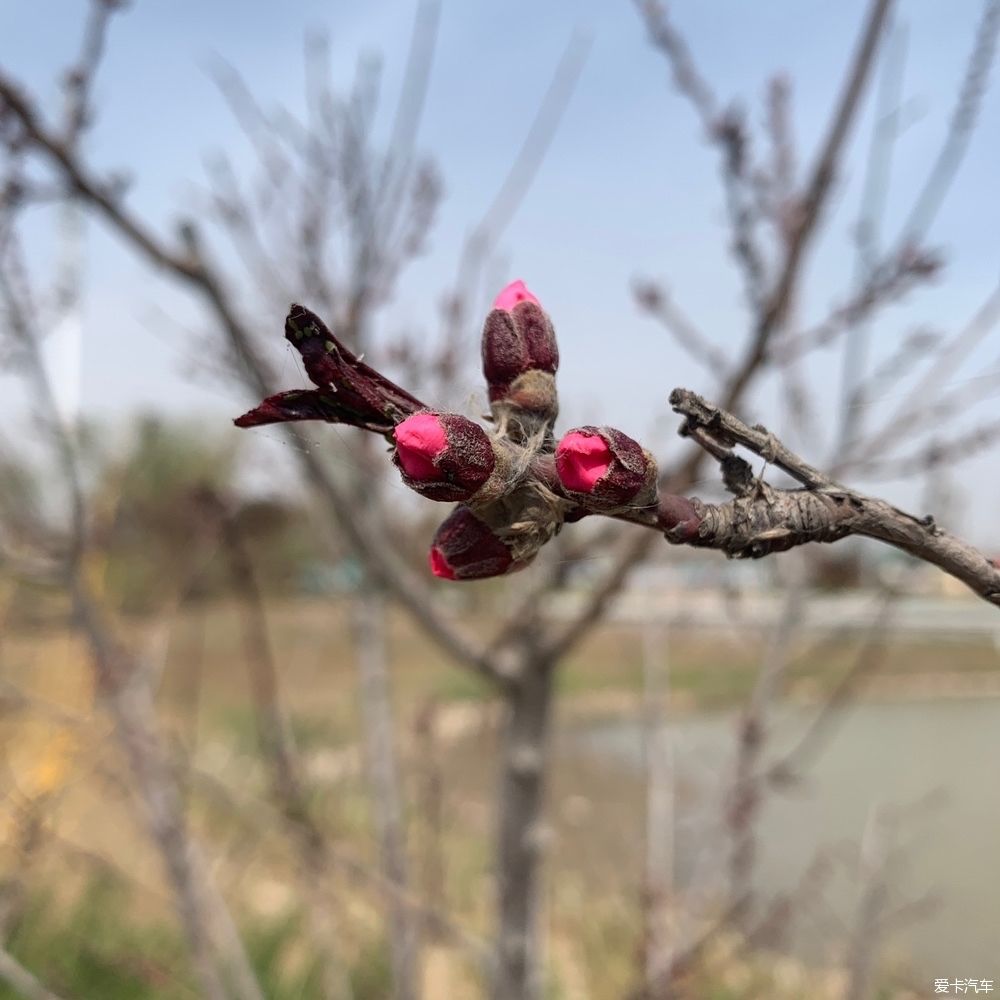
(938, 762)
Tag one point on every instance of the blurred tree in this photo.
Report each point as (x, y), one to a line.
(152, 534)
(333, 218)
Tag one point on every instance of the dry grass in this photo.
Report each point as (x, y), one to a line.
(68, 818)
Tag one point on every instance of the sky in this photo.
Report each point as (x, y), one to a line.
(629, 187)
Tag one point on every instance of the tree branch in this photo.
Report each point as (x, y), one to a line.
(812, 201)
(190, 266)
(771, 313)
(763, 519)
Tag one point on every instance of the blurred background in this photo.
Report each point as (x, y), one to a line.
(249, 746)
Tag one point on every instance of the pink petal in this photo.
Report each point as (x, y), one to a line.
(439, 565)
(581, 460)
(419, 440)
(515, 292)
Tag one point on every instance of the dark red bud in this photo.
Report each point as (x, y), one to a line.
(605, 468)
(517, 337)
(466, 548)
(444, 456)
(679, 518)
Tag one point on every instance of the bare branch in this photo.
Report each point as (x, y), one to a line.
(875, 856)
(362, 875)
(413, 94)
(277, 745)
(915, 411)
(202, 911)
(771, 314)
(682, 960)
(888, 282)
(658, 302)
(687, 77)
(521, 834)
(812, 202)
(520, 176)
(191, 268)
(726, 129)
(762, 519)
(561, 638)
(963, 122)
(125, 694)
(915, 346)
(873, 203)
(658, 885)
(80, 78)
(780, 181)
(383, 774)
(937, 453)
(745, 793)
(789, 767)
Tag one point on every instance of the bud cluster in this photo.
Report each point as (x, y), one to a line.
(514, 485)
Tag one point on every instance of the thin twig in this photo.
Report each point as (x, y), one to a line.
(726, 129)
(916, 407)
(963, 122)
(887, 283)
(812, 203)
(124, 693)
(658, 302)
(873, 203)
(789, 766)
(278, 748)
(364, 876)
(937, 453)
(191, 268)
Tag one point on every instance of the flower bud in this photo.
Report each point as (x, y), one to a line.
(680, 518)
(520, 356)
(445, 456)
(605, 469)
(466, 548)
(512, 294)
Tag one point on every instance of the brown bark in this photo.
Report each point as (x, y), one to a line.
(386, 795)
(521, 834)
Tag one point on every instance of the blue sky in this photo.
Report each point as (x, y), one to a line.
(628, 188)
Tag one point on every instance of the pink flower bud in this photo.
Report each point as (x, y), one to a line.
(419, 440)
(605, 469)
(520, 354)
(514, 293)
(582, 459)
(466, 548)
(444, 456)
